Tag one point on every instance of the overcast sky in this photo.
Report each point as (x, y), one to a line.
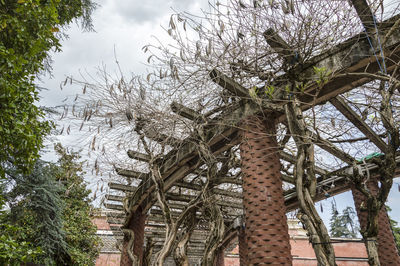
(125, 27)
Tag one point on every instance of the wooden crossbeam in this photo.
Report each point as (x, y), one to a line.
(111, 206)
(357, 121)
(364, 13)
(280, 46)
(229, 84)
(162, 138)
(176, 214)
(332, 149)
(325, 145)
(216, 191)
(229, 180)
(181, 198)
(121, 187)
(115, 197)
(131, 173)
(138, 156)
(195, 237)
(182, 184)
(185, 111)
(291, 159)
(288, 179)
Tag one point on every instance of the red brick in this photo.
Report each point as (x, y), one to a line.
(266, 230)
(387, 250)
(137, 225)
(101, 223)
(108, 259)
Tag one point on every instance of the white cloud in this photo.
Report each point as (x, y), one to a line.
(120, 26)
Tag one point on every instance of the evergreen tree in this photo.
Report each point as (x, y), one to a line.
(36, 207)
(52, 208)
(343, 225)
(83, 244)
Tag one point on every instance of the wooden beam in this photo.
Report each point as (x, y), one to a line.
(115, 197)
(168, 195)
(184, 111)
(356, 120)
(291, 159)
(238, 90)
(117, 207)
(131, 173)
(325, 145)
(162, 138)
(138, 156)
(280, 46)
(196, 236)
(229, 180)
(175, 214)
(229, 84)
(217, 191)
(178, 197)
(182, 198)
(288, 179)
(364, 13)
(121, 187)
(332, 149)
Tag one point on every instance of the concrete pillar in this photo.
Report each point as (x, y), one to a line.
(137, 225)
(266, 229)
(242, 247)
(387, 250)
(220, 259)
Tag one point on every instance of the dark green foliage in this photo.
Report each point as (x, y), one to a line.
(13, 252)
(80, 232)
(29, 29)
(343, 225)
(37, 207)
(52, 209)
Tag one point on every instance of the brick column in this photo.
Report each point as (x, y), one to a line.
(137, 225)
(387, 250)
(220, 259)
(242, 247)
(266, 229)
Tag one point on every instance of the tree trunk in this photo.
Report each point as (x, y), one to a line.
(304, 174)
(372, 250)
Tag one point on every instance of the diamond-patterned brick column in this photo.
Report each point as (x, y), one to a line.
(242, 247)
(266, 228)
(136, 224)
(220, 259)
(387, 250)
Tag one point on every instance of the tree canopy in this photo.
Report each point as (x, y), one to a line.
(29, 30)
(52, 210)
(344, 224)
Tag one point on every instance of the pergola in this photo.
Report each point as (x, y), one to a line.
(182, 164)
